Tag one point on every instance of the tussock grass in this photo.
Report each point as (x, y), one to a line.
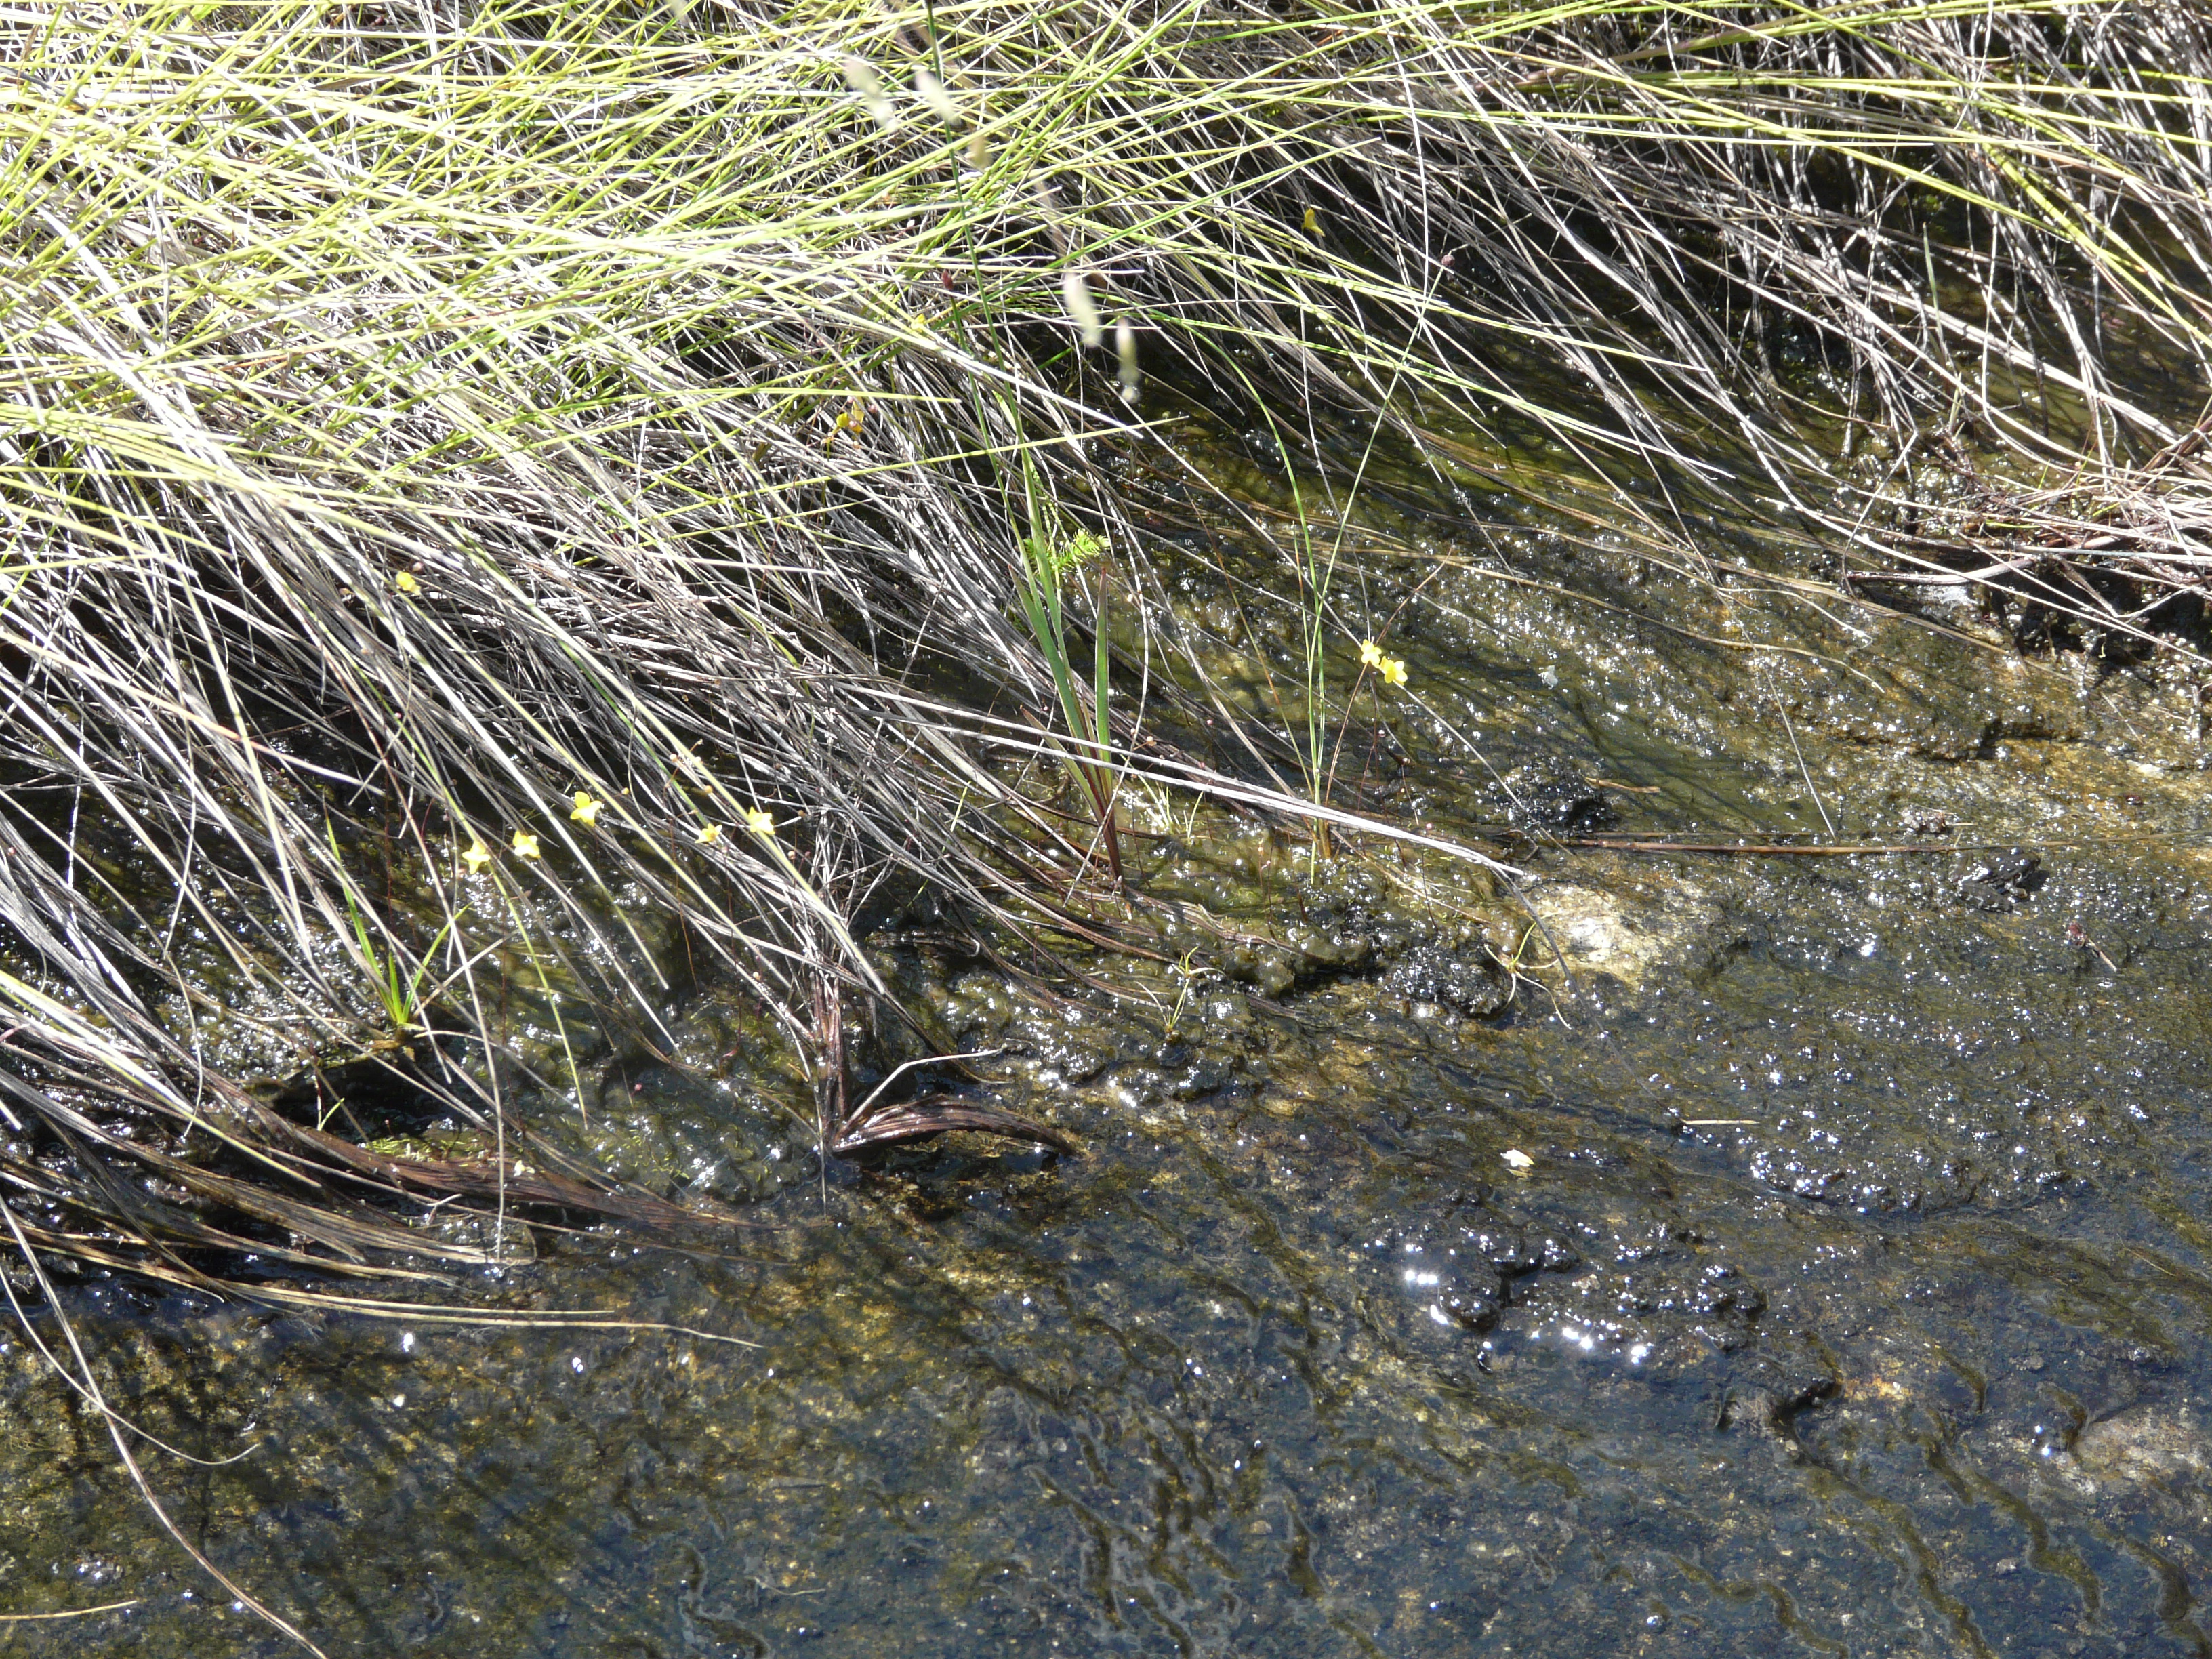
(575, 464)
(578, 458)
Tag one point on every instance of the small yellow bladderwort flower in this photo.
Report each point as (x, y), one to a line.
(760, 823)
(587, 810)
(525, 843)
(709, 834)
(1371, 654)
(476, 857)
(1393, 670)
(405, 582)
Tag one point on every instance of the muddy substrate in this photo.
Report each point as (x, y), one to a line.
(1825, 1271)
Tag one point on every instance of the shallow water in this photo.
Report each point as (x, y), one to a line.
(1847, 1291)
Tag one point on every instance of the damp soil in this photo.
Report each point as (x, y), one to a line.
(1810, 1256)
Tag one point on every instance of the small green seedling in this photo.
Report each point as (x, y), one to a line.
(399, 993)
(1049, 562)
(1188, 974)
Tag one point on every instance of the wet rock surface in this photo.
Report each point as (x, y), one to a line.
(2001, 883)
(2145, 1444)
(1555, 801)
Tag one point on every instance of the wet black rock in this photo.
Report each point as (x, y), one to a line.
(1355, 930)
(1354, 925)
(1556, 1256)
(1463, 1307)
(1450, 1269)
(1721, 1289)
(1557, 802)
(1771, 1413)
(1470, 983)
(2002, 881)
(1505, 1248)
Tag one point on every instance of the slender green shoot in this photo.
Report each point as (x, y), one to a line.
(1085, 743)
(398, 991)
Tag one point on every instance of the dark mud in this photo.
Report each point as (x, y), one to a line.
(1824, 1270)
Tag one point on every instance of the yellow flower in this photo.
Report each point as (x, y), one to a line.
(1371, 654)
(760, 823)
(587, 810)
(405, 582)
(1393, 670)
(476, 857)
(709, 834)
(525, 843)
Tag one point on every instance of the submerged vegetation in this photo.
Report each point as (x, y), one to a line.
(640, 483)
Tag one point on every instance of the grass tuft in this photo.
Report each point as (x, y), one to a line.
(500, 453)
